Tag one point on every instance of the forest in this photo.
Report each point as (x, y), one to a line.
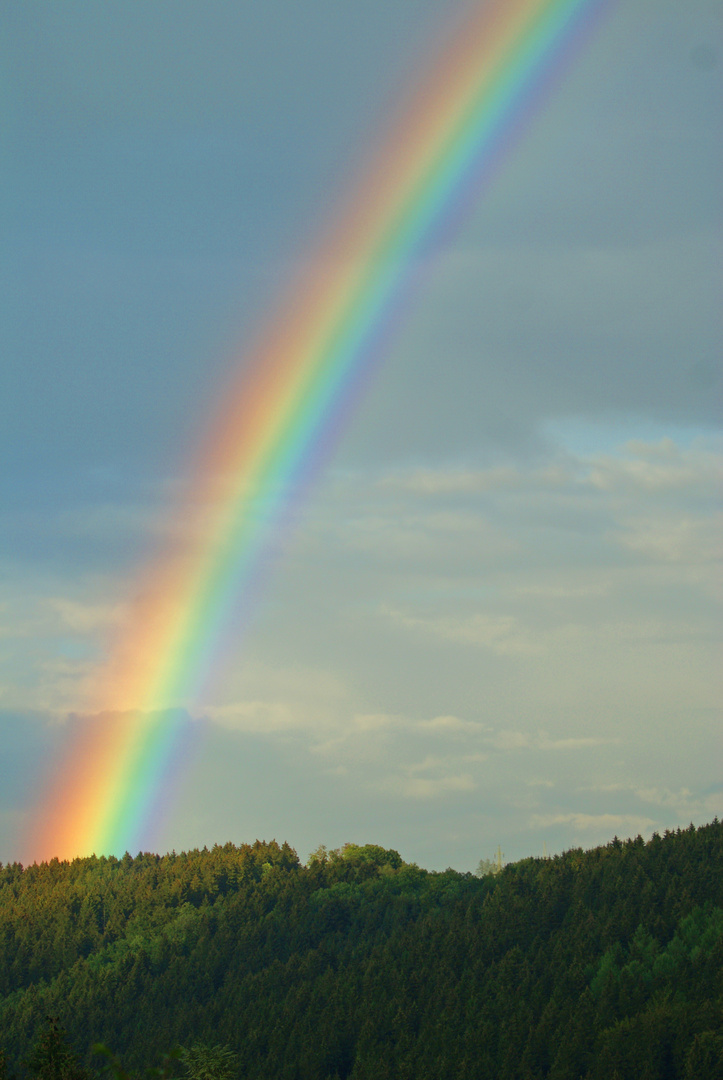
(590, 965)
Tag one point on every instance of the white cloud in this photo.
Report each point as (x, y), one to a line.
(507, 740)
(713, 804)
(370, 736)
(544, 742)
(439, 763)
(499, 634)
(257, 716)
(376, 721)
(87, 617)
(674, 538)
(449, 725)
(683, 801)
(679, 800)
(657, 468)
(607, 824)
(422, 788)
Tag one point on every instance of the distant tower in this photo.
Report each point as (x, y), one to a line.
(498, 860)
(544, 849)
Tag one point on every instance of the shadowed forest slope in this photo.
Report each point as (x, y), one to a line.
(586, 965)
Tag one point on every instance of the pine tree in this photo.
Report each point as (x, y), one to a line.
(202, 1062)
(52, 1057)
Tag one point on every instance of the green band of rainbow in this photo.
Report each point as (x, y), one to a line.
(325, 336)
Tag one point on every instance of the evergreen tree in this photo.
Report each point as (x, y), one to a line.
(203, 1062)
(52, 1057)
(584, 965)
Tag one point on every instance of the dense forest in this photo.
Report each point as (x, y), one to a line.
(599, 965)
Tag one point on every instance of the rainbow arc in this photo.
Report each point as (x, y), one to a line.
(282, 414)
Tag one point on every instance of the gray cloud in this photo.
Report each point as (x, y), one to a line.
(498, 618)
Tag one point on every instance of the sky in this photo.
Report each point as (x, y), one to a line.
(497, 619)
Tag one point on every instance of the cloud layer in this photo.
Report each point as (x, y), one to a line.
(497, 620)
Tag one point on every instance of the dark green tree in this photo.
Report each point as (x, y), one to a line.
(52, 1057)
(704, 1060)
(203, 1062)
(5, 1073)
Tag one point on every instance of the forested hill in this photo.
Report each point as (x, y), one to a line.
(598, 964)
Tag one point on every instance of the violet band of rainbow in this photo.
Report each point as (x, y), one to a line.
(281, 419)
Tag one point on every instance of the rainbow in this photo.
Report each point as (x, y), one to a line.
(301, 379)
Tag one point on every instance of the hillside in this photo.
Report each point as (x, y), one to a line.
(589, 964)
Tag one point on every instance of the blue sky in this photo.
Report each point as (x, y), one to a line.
(498, 619)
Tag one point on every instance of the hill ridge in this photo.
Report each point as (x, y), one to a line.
(358, 964)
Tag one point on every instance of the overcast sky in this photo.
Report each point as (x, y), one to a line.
(498, 620)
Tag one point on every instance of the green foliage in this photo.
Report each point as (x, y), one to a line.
(202, 1062)
(359, 966)
(5, 1073)
(113, 1065)
(704, 1060)
(695, 951)
(52, 1057)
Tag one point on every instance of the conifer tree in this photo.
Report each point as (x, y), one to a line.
(52, 1057)
(202, 1062)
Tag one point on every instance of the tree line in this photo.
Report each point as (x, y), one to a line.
(585, 966)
